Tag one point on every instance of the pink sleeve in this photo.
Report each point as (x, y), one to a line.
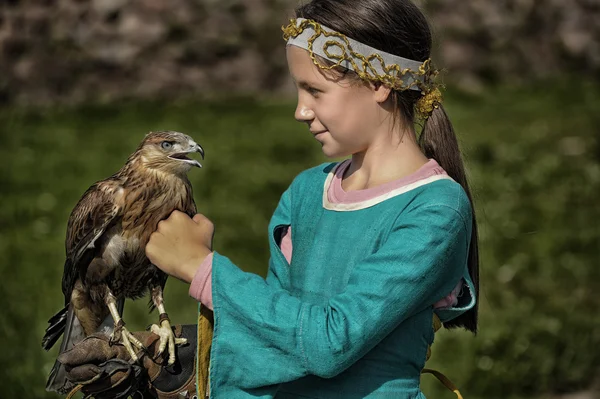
(451, 299)
(201, 286)
(286, 244)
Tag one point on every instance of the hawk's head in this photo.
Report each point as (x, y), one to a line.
(168, 152)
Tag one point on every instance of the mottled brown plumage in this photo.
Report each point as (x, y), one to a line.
(107, 233)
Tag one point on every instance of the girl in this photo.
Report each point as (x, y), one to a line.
(365, 253)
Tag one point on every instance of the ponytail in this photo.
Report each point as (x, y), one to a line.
(438, 141)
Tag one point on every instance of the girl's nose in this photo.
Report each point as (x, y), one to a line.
(304, 113)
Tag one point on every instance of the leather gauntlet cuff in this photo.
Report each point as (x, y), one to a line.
(179, 380)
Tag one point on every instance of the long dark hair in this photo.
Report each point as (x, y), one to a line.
(399, 27)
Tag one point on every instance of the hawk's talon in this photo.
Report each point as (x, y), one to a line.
(115, 337)
(128, 340)
(167, 339)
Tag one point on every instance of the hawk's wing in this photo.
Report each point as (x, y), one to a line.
(190, 205)
(94, 213)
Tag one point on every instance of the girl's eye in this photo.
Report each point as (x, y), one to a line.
(166, 145)
(313, 91)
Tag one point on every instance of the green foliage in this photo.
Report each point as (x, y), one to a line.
(533, 157)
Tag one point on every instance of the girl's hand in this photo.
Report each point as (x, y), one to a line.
(180, 244)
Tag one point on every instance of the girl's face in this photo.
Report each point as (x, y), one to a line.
(343, 117)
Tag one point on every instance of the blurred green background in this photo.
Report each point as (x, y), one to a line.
(82, 82)
(533, 156)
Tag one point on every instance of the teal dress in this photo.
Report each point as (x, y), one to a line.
(351, 317)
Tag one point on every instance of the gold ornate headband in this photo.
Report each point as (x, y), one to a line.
(369, 63)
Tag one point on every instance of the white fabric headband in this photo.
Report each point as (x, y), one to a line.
(367, 61)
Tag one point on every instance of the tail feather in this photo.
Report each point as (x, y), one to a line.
(66, 321)
(57, 380)
(73, 333)
(55, 329)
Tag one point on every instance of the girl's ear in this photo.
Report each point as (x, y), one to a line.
(381, 92)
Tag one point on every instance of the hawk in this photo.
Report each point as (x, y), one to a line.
(107, 233)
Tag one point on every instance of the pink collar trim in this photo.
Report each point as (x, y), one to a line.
(337, 195)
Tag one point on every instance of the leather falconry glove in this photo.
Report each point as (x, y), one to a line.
(105, 371)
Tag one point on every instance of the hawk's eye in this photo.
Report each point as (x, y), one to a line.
(166, 145)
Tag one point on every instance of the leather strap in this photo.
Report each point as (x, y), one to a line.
(437, 324)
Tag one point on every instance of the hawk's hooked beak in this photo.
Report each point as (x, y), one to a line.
(200, 150)
(193, 148)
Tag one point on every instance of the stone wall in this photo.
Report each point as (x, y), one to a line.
(516, 40)
(74, 51)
